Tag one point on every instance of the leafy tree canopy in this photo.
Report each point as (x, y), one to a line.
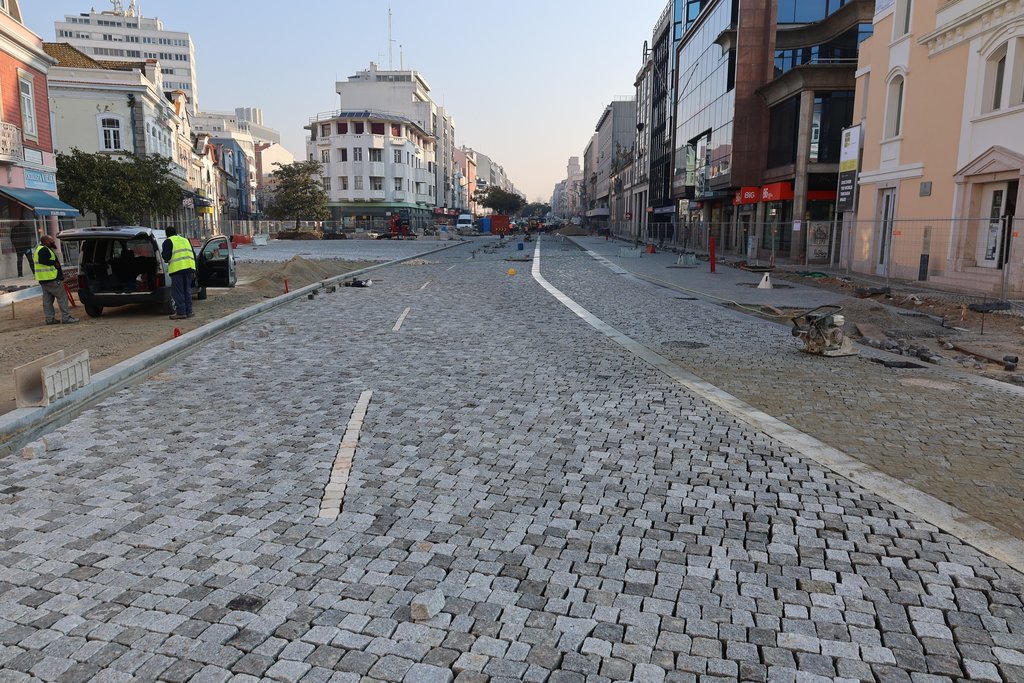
(500, 201)
(535, 210)
(118, 190)
(299, 195)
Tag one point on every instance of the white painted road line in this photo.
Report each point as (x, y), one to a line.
(971, 530)
(334, 491)
(401, 319)
(449, 268)
(425, 284)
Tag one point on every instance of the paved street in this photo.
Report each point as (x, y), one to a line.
(523, 500)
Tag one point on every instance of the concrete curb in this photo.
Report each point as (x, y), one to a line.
(23, 425)
(20, 295)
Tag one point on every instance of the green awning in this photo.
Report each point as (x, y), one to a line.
(39, 202)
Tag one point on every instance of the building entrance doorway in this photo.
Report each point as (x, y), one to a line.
(999, 206)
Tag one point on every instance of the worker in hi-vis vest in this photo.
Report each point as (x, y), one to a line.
(181, 265)
(51, 280)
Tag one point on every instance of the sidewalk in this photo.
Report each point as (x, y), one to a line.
(28, 288)
(726, 285)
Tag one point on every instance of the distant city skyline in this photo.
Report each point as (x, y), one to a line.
(529, 97)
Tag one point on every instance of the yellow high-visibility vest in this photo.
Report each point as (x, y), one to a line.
(182, 255)
(44, 272)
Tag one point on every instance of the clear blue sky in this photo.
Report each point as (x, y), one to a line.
(526, 80)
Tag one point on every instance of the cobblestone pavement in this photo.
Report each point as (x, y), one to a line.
(943, 432)
(348, 250)
(525, 503)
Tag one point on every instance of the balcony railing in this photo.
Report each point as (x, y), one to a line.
(10, 143)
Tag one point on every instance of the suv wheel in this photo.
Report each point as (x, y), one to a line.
(92, 310)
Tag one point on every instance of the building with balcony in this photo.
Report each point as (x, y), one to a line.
(124, 34)
(375, 163)
(942, 201)
(28, 179)
(762, 97)
(407, 93)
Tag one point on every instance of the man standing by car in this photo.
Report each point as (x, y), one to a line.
(51, 280)
(181, 266)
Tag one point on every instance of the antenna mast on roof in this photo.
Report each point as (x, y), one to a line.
(390, 59)
(133, 9)
(118, 6)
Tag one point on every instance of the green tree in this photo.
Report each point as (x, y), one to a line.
(299, 194)
(500, 201)
(118, 190)
(535, 210)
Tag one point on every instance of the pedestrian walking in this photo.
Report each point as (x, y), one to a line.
(23, 239)
(51, 280)
(181, 265)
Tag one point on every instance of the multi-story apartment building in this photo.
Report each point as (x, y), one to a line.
(28, 181)
(942, 201)
(639, 188)
(124, 34)
(466, 165)
(406, 92)
(616, 133)
(763, 93)
(254, 140)
(375, 163)
(660, 130)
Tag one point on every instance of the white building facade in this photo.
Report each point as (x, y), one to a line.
(123, 34)
(406, 92)
(376, 164)
(101, 108)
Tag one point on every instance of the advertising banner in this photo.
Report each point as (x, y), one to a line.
(849, 155)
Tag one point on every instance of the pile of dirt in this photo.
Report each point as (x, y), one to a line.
(297, 271)
(126, 331)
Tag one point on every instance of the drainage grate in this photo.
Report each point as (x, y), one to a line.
(247, 603)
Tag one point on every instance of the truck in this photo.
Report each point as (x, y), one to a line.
(500, 224)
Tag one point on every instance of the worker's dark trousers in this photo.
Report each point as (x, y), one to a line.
(181, 291)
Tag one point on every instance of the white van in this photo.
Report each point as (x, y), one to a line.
(464, 223)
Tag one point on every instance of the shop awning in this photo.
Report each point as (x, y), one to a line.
(39, 202)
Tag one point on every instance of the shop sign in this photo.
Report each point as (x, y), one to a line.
(776, 192)
(746, 195)
(40, 180)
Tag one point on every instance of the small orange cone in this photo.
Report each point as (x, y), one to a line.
(511, 271)
(177, 333)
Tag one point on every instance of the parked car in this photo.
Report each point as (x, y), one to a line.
(123, 265)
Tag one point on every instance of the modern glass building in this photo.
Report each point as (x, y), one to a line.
(764, 89)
